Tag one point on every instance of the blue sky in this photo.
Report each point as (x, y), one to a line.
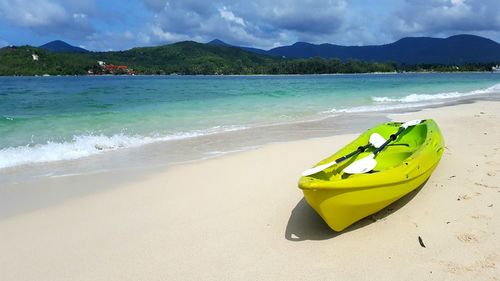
(119, 25)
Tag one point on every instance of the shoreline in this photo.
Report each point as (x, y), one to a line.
(79, 139)
(323, 128)
(211, 219)
(258, 75)
(197, 148)
(230, 141)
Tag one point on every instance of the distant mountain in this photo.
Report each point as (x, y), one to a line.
(458, 49)
(217, 57)
(217, 42)
(59, 46)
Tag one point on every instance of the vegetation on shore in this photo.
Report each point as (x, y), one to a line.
(193, 58)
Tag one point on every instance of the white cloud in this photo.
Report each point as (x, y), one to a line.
(168, 36)
(457, 2)
(266, 24)
(116, 40)
(129, 35)
(47, 17)
(258, 23)
(229, 16)
(446, 17)
(28, 14)
(79, 16)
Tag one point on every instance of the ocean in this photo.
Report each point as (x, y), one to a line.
(57, 120)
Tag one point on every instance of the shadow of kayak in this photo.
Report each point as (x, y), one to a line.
(305, 224)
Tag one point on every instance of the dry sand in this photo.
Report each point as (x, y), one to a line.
(241, 217)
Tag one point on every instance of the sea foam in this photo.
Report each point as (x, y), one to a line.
(413, 101)
(439, 96)
(87, 145)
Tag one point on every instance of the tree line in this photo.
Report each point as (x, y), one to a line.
(191, 58)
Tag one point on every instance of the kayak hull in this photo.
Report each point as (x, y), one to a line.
(342, 199)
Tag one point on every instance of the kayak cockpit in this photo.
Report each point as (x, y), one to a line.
(394, 154)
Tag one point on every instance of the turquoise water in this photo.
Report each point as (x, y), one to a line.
(45, 119)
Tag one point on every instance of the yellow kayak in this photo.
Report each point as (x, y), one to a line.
(402, 165)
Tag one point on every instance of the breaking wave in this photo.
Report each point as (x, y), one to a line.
(87, 145)
(413, 101)
(440, 96)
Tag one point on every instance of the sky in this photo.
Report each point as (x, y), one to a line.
(123, 24)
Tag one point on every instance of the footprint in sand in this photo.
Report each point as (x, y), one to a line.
(467, 238)
(486, 263)
(469, 196)
(481, 217)
(492, 163)
(485, 185)
(464, 197)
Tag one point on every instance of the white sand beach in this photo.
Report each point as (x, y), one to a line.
(242, 217)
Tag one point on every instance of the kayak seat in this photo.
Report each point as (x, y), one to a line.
(391, 159)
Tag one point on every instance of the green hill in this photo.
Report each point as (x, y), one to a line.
(19, 61)
(188, 58)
